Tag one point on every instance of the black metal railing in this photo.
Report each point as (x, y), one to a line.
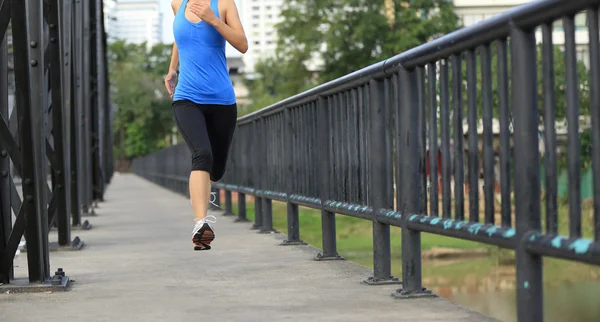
(366, 145)
(55, 128)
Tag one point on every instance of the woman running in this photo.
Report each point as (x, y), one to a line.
(204, 103)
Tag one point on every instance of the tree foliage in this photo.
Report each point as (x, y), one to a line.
(352, 34)
(143, 108)
(345, 36)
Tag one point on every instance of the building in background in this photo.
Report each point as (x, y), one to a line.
(259, 18)
(135, 21)
(109, 18)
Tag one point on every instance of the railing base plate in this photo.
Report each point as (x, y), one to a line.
(75, 245)
(241, 220)
(382, 281)
(401, 294)
(321, 257)
(22, 285)
(85, 226)
(292, 243)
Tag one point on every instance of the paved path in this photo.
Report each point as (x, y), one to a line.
(138, 265)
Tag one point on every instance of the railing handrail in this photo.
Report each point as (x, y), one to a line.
(526, 16)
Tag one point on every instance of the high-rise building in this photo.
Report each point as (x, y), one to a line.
(136, 21)
(109, 7)
(259, 18)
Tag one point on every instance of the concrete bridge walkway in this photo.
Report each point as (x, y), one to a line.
(138, 265)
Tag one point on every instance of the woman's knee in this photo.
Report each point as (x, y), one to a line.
(202, 159)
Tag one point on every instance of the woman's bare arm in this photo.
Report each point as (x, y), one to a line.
(175, 4)
(232, 29)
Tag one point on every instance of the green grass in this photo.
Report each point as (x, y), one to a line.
(355, 243)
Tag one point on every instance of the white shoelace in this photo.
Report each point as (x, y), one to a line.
(210, 219)
(213, 196)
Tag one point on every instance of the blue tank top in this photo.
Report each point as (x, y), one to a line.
(203, 72)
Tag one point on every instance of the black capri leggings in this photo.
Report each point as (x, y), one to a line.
(207, 130)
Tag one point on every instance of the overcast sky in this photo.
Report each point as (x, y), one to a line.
(168, 25)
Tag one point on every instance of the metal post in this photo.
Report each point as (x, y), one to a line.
(293, 222)
(241, 208)
(86, 111)
(409, 198)
(77, 148)
(527, 180)
(380, 183)
(5, 177)
(327, 217)
(228, 204)
(27, 24)
(257, 166)
(267, 224)
(60, 166)
(267, 206)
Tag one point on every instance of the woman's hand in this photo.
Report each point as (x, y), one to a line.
(203, 10)
(171, 82)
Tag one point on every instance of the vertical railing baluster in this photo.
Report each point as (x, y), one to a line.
(473, 149)
(445, 128)
(433, 141)
(362, 147)
(592, 15)
(488, 134)
(257, 165)
(527, 181)
(422, 131)
(326, 133)
(550, 165)
(380, 183)
(354, 129)
(573, 141)
(505, 133)
(408, 195)
(267, 207)
(459, 152)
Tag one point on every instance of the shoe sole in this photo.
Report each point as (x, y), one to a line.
(203, 242)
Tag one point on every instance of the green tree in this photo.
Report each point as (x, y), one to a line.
(143, 120)
(276, 78)
(352, 34)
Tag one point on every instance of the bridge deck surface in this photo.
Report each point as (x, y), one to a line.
(138, 265)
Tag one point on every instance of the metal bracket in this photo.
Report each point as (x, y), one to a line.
(381, 281)
(292, 243)
(57, 283)
(424, 293)
(75, 245)
(85, 226)
(321, 257)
